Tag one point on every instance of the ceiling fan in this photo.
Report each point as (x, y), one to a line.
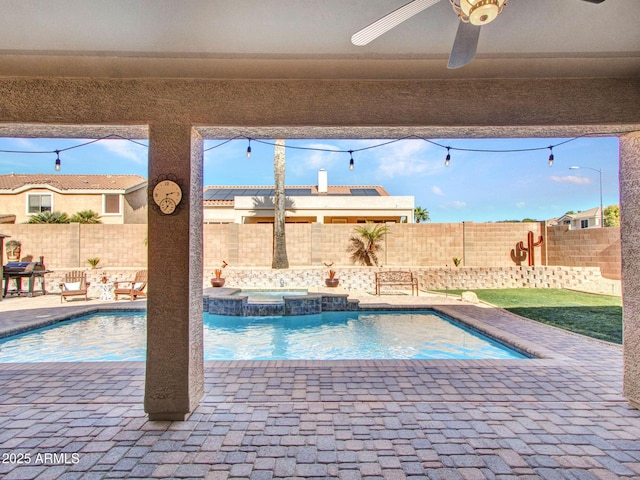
(472, 14)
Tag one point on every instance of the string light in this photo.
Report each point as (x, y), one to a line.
(60, 150)
(418, 137)
(329, 150)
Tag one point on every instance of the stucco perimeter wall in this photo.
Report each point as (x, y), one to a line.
(587, 247)
(422, 244)
(69, 246)
(312, 245)
(490, 244)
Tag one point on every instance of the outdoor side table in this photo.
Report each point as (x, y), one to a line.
(106, 291)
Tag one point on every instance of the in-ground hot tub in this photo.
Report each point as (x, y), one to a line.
(260, 295)
(274, 302)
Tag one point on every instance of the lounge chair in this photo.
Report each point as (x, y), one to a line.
(74, 284)
(133, 288)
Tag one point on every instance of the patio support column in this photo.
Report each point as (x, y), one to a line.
(175, 370)
(630, 236)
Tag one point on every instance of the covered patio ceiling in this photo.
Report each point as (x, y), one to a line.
(286, 39)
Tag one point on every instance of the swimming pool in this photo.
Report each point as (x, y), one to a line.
(327, 336)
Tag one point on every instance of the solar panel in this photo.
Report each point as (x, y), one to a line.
(229, 193)
(219, 194)
(226, 194)
(297, 192)
(365, 192)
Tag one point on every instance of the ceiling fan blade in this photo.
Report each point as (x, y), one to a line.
(594, 1)
(386, 23)
(465, 45)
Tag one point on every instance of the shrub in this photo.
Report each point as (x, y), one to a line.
(85, 216)
(49, 217)
(364, 246)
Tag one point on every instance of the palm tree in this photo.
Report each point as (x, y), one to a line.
(49, 217)
(280, 259)
(421, 215)
(85, 216)
(364, 246)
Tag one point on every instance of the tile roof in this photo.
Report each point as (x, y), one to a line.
(14, 181)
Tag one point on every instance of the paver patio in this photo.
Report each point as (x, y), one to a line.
(560, 416)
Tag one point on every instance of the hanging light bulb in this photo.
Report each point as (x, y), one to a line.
(249, 149)
(351, 160)
(447, 160)
(57, 166)
(551, 157)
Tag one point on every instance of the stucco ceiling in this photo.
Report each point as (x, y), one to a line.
(310, 39)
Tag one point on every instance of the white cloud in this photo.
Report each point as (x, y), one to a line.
(317, 160)
(311, 160)
(571, 179)
(406, 158)
(437, 190)
(127, 150)
(456, 204)
(27, 144)
(521, 204)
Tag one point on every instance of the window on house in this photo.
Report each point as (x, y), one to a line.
(112, 204)
(584, 223)
(39, 202)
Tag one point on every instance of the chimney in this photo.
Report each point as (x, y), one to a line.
(322, 181)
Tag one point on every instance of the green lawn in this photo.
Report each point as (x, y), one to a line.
(597, 316)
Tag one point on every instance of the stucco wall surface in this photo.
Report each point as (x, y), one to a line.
(406, 245)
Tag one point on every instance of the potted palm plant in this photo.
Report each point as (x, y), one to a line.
(332, 281)
(218, 281)
(93, 262)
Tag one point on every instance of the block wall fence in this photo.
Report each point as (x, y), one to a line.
(310, 245)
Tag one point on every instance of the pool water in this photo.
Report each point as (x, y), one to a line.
(327, 336)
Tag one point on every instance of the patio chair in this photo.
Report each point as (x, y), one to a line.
(133, 288)
(74, 284)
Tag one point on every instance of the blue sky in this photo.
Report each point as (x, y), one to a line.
(476, 186)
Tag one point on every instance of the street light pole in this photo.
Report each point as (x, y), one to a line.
(600, 174)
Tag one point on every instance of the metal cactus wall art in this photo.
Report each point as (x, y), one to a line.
(517, 255)
(520, 252)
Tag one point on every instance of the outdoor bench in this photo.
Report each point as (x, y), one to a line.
(396, 278)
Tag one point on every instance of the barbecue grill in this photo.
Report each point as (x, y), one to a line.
(17, 271)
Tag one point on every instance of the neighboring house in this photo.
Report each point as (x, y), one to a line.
(116, 198)
(320, 203)
(587, 219)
